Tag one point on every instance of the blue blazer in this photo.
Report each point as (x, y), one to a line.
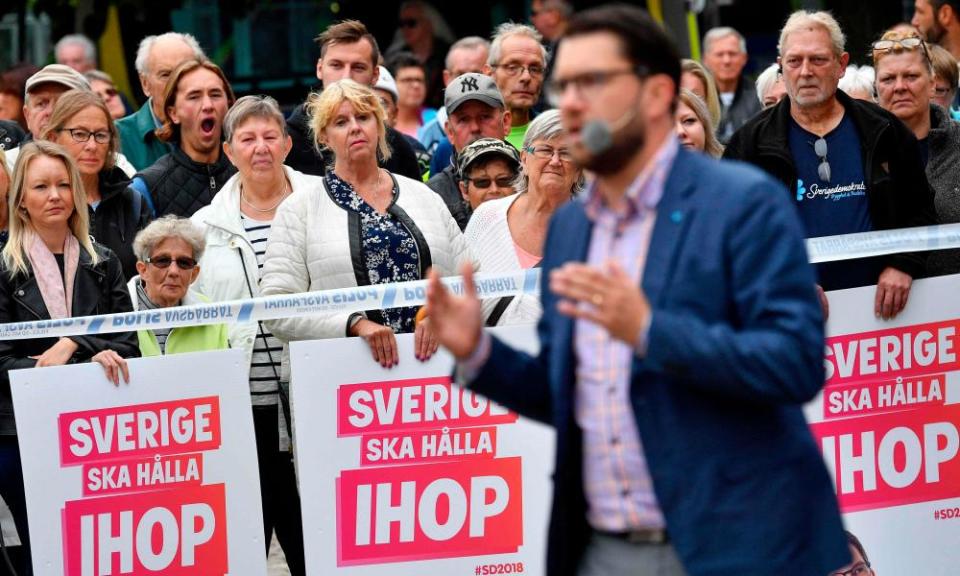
(735, 348)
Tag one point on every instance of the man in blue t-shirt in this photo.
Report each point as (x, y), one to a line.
(851, 166)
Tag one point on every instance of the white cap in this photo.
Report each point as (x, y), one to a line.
(387, 83)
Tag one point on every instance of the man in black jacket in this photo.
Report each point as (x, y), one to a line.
(852, 166)
(725, 55)
(347, 50)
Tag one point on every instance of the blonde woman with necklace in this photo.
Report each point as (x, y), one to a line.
(237, 223)
(365, 226)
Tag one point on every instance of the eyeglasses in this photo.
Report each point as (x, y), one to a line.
(858, 569)
(545, 152)
(409, 23)
(908, 43)
(823, 170)
(484, 183)
(81, 135)
(183, 262)
(514, 69)
(587, 85)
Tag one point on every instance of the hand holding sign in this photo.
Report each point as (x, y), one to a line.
(457, 320)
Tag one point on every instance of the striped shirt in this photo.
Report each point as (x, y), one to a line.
(146, 304)
(267, 350)
(616, 478)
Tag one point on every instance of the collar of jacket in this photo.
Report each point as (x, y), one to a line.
(224, 210)
(181, 158)
(146, 126)
(113, 181)
(774, 124)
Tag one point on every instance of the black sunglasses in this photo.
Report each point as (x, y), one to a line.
(183, 262)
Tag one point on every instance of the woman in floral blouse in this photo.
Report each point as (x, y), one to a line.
(363, 226)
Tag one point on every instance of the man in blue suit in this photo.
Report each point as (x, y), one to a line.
(681, 334)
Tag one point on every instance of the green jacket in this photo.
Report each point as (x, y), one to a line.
(137, 140)
(185, 338)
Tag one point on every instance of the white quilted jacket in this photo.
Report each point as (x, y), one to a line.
(309, 249)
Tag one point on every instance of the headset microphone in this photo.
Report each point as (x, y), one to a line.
(597, 135)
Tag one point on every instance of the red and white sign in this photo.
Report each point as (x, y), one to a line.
(413, 474)
(158, 476)
(888, 424)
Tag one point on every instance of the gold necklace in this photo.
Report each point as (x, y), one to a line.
(286, 192)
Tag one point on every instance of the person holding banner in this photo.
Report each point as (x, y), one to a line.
(51, 269)
(680, 337)
(363, 226)
(238, 223)
(507, 234)
(167, 253)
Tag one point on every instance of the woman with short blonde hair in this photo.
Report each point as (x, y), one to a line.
(363, 226)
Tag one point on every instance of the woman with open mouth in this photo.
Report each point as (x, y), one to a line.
(195, 101)
(82, 124)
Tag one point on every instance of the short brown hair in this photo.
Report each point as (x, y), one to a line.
(71, 103)
(348, 32)
(170, 132)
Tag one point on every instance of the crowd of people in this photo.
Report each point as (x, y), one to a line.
(439, 154)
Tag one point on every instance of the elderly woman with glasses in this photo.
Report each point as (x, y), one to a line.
(238, 223)
(167, 253)
(364, 226)
(905, 84)
(507, 234)
(82, 124)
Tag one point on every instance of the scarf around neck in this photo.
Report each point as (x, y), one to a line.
(56, 290)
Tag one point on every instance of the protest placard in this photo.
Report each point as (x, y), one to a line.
(403, 473)
(887, 424)
(158, 476)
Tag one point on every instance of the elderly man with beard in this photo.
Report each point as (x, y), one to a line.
(673, 453)
(850, 165)
(185, 180)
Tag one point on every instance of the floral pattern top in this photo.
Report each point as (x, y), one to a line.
(389, 251)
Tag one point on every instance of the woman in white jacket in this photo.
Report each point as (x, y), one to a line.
(237, 225)
(365, 226)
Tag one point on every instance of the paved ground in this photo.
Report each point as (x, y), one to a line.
(276, 563)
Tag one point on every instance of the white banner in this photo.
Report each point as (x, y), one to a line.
(402, 473)
(158, 476)
(887, 423)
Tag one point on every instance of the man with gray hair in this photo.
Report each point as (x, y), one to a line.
(725, 55)
(518, 62)
(850, 165)
(76, 51)
(157, 58)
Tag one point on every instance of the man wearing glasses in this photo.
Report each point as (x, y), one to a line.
(680, 337)
(517, 62)
(850, 166)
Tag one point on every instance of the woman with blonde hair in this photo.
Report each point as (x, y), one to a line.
(362, 226)
(696, 78)
(4, 190)
(694, 127)
(51, 269)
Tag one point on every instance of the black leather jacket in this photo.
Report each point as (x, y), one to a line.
(98, 289)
